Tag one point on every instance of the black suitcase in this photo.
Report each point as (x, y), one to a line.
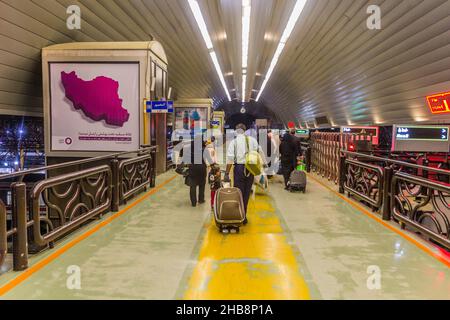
(297, 181)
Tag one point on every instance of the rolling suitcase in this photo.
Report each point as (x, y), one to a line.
(229, 211)
(297, 181)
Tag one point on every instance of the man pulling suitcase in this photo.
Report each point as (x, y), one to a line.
(242, 153)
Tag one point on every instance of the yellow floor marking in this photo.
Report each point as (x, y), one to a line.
(256, 264)
(356, 205)
(59, 251)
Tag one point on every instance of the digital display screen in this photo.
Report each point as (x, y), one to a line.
(302, 132)
(422, 133)
(359, 130)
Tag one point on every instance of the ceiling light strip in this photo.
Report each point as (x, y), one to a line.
(246, 14)
(298, 8)
(195, 8)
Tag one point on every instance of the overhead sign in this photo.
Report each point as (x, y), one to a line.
(421, 138)
(369, 131)
(159, 106)
(439, 103)
(419, 133)
(302, 133)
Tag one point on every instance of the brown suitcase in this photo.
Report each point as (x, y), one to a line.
(229, 209)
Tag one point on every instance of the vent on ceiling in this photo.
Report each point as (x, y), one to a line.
(320, 121)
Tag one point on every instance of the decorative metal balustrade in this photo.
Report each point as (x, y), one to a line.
(423, 205)
(72, 200)
(325, 152)
(44, 211)
(365, 182)
(401, 191)
(135, 174)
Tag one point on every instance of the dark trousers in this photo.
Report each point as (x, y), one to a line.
(286, 170)
(201, 193)
(243, 183)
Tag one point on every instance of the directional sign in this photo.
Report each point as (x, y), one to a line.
(159, 106)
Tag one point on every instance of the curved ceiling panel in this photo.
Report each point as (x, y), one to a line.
(332, 64)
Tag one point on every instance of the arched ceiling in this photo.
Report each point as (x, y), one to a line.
(332, 65)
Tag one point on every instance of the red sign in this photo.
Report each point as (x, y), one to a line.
(439, 103)
(291, 125)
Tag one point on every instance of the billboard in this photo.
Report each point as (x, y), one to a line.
(191, 118)
(94, 106)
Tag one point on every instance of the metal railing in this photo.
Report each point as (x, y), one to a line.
(135, 175)
(70, 200)
(85, 195)
(401, 191)
(365, 182)
(429, 212)
(325, 152)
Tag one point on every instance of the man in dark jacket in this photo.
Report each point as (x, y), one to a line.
(196, 177)
(288, 156)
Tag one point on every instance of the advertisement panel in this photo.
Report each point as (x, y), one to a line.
(191, 118)
(94, 106)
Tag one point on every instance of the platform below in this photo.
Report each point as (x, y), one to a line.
(296, 246)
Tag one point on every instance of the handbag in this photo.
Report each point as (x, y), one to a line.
(253, 160)
(182, 169)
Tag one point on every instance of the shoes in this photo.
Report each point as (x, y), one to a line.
(194, 204)
(201, 202)
(245, 221)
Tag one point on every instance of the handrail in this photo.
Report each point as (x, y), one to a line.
(134, 174)
(402, 163)
(76, 162)
(377, 202)
(414, 213)
(100, 201)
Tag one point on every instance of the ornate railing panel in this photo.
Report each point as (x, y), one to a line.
(429, 212)
(73, 198)
(365, 182)
(135, 174)
(325, 153)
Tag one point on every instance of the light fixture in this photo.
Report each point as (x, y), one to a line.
(298, 8)
(246, 14)
(219, 73)
(195, 8)
(201, 23)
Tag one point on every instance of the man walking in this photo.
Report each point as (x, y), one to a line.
(236, 154)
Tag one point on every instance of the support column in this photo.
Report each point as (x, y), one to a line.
(386, 211)
(19, 219)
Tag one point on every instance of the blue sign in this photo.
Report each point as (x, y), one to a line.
(215, 123)
(159, 106)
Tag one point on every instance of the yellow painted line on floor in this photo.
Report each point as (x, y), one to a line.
(59, 251)
(256, 264)
(384, 223)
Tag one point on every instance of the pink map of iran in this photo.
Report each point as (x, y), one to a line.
(98, 98)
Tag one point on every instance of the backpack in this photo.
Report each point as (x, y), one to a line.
(253, 160)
